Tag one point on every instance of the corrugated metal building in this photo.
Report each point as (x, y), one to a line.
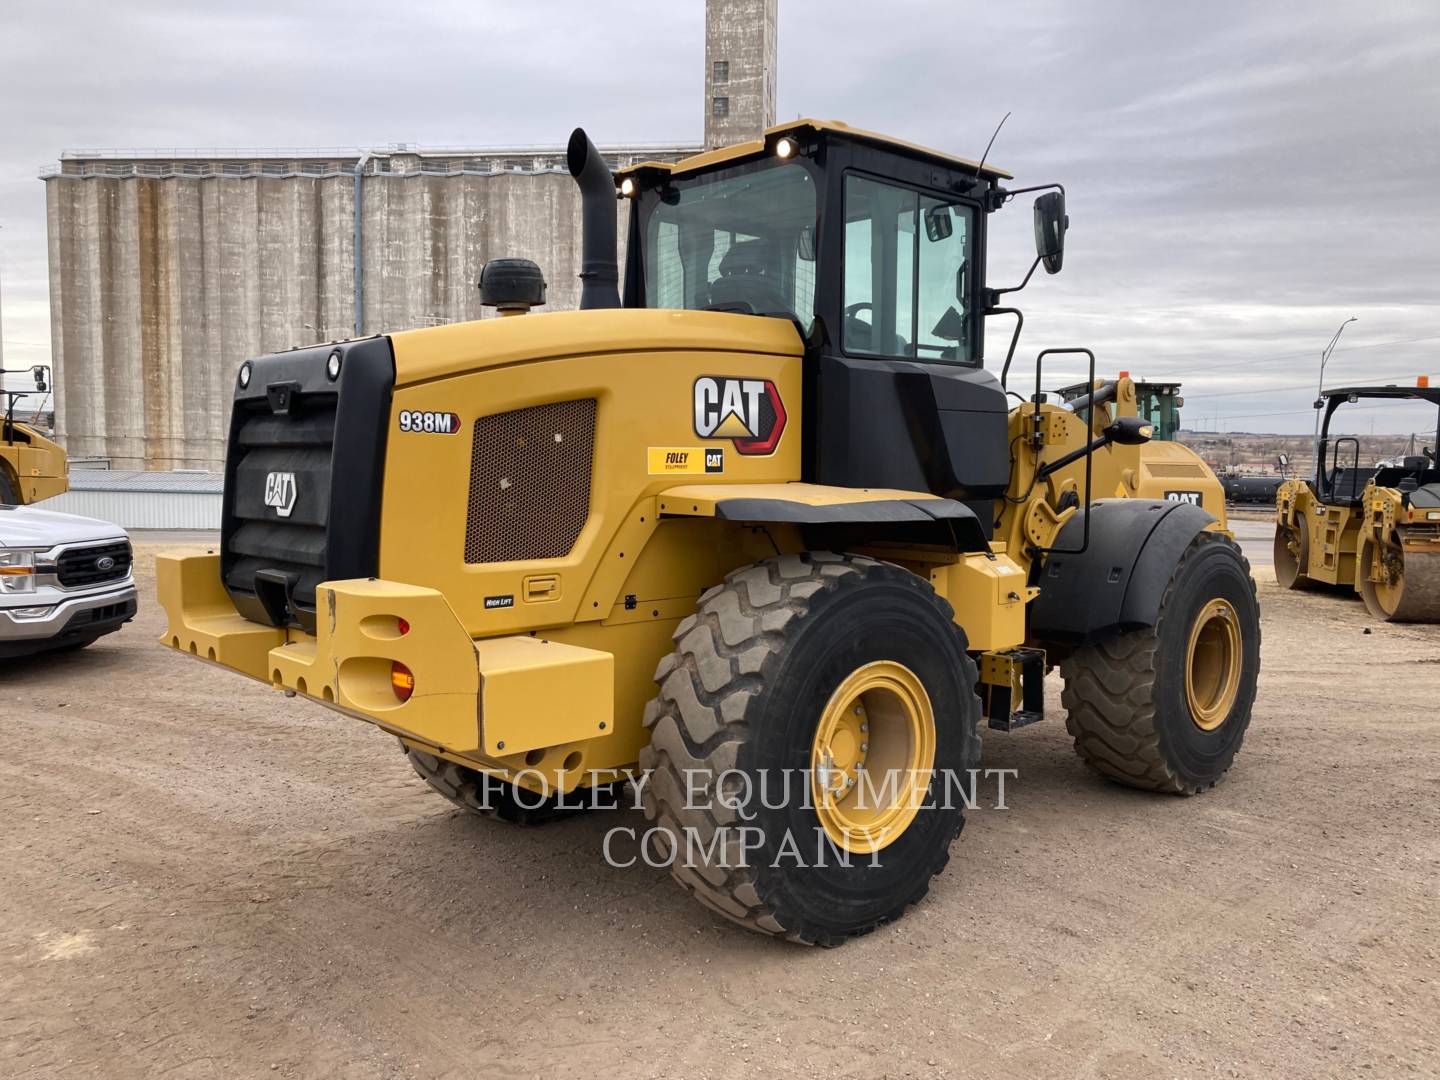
(144, 500)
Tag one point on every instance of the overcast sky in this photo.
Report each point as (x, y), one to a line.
(1241, 177)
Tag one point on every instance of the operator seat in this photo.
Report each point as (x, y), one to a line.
(744, 282)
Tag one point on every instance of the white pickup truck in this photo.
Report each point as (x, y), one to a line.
(64, 580)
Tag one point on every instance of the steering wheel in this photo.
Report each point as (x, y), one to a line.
(853, 311)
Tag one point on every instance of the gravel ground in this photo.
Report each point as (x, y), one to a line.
(205, 879)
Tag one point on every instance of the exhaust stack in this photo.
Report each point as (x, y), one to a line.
(599, 270)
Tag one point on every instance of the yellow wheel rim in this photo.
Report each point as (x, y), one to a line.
(873, 757)
(1212, 664)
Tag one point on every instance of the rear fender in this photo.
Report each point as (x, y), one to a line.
(867, 515)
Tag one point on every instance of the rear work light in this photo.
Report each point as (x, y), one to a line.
(401, 681)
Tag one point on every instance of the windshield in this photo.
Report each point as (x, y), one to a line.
(741, 240)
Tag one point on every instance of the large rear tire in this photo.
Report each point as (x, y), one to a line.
(830, 675)
(1166, 707)
(9, 493)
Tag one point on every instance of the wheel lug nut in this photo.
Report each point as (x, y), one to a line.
(864, 746)
(859, 711)
(864, 727)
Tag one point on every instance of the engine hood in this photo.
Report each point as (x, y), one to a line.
(439, 351)
(30, 527)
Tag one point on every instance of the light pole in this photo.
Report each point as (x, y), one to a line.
(1324, 358)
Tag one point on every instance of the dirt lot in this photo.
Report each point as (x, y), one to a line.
(204, 879)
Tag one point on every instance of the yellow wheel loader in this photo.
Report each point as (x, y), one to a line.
(32, 467)
(1167, 469)
(1374, 528)
(754, 530)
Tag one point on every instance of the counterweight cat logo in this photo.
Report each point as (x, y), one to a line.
(748, 412)
(280, 492)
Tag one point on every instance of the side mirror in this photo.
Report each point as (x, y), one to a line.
(41, 373)
(1051, 222)
(938, 225)
(1129, 431)
(1284, 461)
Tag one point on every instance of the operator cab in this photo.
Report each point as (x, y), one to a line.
(875, 250)
(1340, 477)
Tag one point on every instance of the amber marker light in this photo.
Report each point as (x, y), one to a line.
(401, 681)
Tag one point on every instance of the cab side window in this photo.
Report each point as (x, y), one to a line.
(906, 285)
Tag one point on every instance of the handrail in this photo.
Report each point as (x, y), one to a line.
(1089, 450)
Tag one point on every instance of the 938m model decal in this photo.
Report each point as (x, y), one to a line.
(429, 423)
(748, 412)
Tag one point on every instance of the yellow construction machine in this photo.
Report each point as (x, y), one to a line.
(754, 530)
(1167, 469)
(32, 467)
(1373, 527)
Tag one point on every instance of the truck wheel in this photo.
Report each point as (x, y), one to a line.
(9, 494)
(1165, 708)
(486, 795)
(811, 727)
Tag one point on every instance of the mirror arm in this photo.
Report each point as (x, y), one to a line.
(1012, 192)
(995, 294)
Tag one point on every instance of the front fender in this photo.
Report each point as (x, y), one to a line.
(1116, 584)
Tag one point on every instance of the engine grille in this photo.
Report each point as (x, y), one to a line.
(530, 482)
(1175, 469)
(78, 566)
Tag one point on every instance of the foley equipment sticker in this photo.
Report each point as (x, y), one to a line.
(685, 460)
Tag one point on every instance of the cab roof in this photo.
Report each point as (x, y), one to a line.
(1419, 393)
(820, 127)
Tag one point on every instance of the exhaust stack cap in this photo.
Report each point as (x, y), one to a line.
(512, 286)
(599, 267)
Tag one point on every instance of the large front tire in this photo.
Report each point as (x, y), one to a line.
(1166, 707)
(801, 686)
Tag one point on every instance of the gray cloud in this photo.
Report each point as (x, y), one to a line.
(1241, 177)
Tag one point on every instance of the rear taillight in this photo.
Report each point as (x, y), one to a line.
(401, 681)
